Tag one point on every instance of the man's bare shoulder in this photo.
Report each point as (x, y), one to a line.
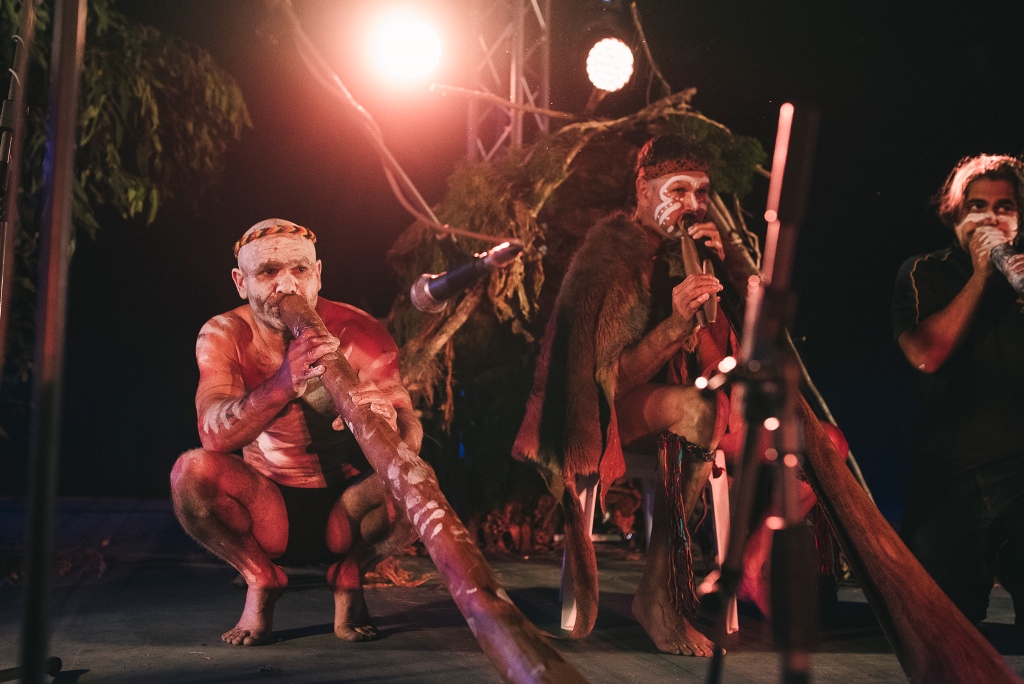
(232, 329)
(346, 320)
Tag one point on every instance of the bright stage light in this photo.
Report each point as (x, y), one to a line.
(405, 48)
(610, 64)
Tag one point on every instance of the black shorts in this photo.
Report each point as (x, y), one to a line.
(308, 509)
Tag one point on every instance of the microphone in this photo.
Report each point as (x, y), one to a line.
(430, 292)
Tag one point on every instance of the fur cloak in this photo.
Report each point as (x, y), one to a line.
(570, 427)
(602, 307)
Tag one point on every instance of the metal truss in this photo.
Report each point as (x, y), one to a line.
(513, 48)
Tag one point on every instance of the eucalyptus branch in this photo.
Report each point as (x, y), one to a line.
(666, 89)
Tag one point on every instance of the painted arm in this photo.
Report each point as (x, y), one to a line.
(640, 361)
(930, 344)
(230, 417)
(374, 356)
(391, 400)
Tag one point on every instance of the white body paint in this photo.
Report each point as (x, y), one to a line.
(382, 360)
(274, 266)
(213, 421)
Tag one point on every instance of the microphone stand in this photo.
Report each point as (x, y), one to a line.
(766, 386)
(51, 304)
(12, 136)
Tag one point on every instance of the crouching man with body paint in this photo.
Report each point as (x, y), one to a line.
(302, 492)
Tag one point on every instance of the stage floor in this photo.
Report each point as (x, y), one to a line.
(140, 602)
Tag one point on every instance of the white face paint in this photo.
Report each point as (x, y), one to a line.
(988, 202)
(1007, 224)
(681, 195)
(272, 267)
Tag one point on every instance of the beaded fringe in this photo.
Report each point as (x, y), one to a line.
(676, 452)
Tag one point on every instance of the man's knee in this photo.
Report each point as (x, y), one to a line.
(399, 534)
(191, 468)
(365, 495)
(403, 531)
(367, 509)
(694, 415)
(197, 479)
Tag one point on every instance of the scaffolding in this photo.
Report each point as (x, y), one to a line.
(513, 49)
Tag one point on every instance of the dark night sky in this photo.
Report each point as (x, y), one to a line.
(905, 90)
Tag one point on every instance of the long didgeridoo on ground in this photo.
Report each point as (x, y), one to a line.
(932, 639)
(517, 649)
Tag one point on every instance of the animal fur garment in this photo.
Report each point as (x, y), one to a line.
(602, 306)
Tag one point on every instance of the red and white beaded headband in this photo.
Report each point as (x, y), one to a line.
(276, 229)
(671, 166)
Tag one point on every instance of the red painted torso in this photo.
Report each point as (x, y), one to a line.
(298, 448)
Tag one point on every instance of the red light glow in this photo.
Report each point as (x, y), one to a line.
(405, 48)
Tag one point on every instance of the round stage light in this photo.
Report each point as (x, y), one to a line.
(610, 64)
(405, 48)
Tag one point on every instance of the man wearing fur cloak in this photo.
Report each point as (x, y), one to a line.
(616, 368)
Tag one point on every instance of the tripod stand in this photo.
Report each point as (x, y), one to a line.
(766, 384)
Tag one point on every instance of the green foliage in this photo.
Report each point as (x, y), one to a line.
(156, 117)
(156, 120)
(548, 194)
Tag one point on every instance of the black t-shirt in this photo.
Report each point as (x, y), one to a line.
(972, 411)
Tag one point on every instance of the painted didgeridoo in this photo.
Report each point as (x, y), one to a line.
(516, 648)
(932, 639)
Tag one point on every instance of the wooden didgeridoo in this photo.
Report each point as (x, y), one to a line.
(932, 639)
(692, 263)
(516, 648)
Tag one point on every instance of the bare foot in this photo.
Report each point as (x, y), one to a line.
(670, 631)
(257, 622)
(351, 618)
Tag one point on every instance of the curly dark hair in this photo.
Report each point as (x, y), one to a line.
(950, 199)
(672, 147)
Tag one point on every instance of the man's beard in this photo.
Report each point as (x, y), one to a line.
(268, 311)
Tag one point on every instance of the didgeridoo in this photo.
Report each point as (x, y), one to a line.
(516, 648)
(692, 263)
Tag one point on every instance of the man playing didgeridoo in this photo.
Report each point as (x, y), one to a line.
(302, 492)
(960, 323)
(622, 349)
